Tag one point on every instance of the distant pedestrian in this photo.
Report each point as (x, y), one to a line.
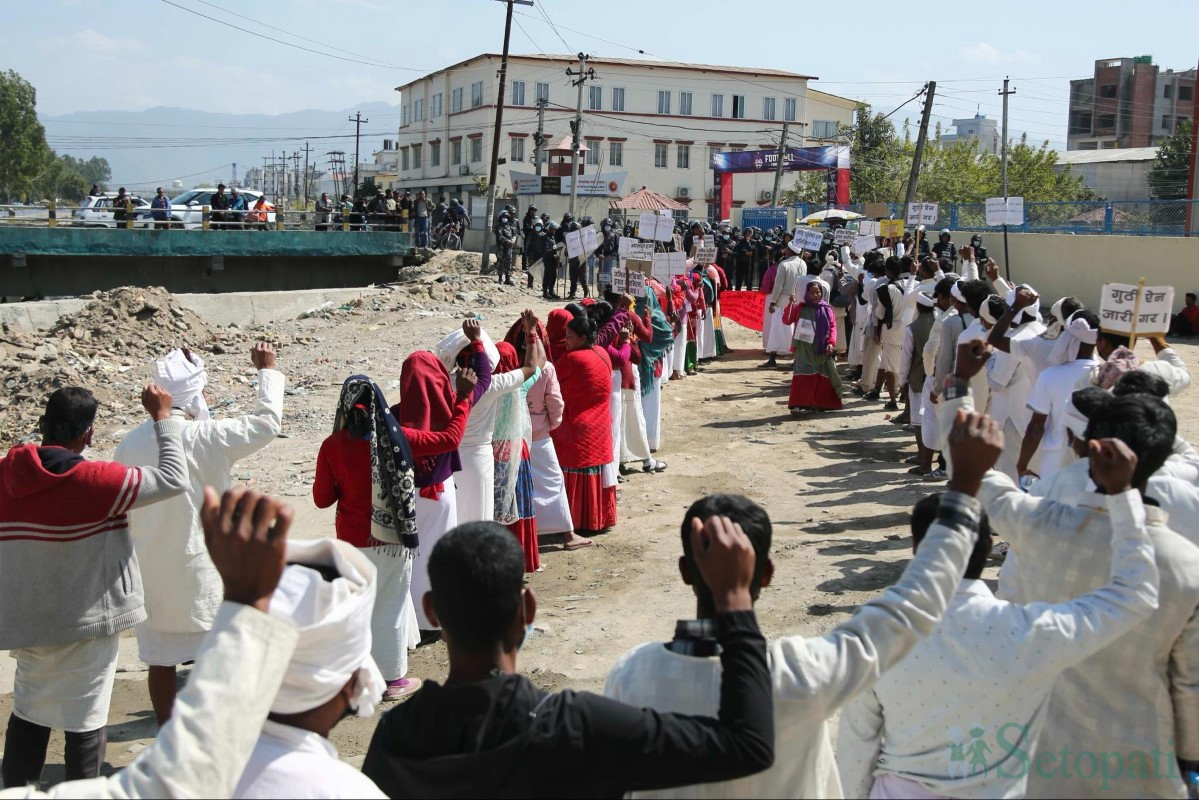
(237, 208)
(220, 203)
(324, 212)
(421, 211)
(118, 207)
(161, 210)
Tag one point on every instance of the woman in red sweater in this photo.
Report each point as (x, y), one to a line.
(365, 438)
(584, 439)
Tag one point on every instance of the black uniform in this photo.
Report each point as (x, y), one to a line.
(505, 248)
(743, 263)
(548, 245)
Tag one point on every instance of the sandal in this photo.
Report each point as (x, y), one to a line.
(579, 545)
(655, 465)
(401, 688)
(919, 471)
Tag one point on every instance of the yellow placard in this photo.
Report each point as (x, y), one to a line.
(891, 227)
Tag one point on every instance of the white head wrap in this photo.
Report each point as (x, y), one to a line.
(447, 349)
(1075, 421)
(334, 622)
(1075, 333)
(956, 292)
(925, 299)
(984, 310)
(185, 380)
(1055, 330)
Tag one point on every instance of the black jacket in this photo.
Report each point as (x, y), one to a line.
(504, 737)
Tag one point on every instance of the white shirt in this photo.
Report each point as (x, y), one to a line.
(968, 270)
(1011, 380)
(976, 331)
(183, 589)
(292, 762)
(1171, 369)
(813, 677)
(911, 289)
(1051, 393)
(480, 425)
(962, 711)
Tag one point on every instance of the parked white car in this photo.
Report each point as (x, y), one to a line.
(96, 211)
(187, 210)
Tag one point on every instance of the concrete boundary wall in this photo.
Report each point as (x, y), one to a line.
(233, 308)
(1061, 264)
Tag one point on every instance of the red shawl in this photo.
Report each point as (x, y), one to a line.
(584, 439)
(508, 358)
(516, 338)
(427, 397)
(556, 333)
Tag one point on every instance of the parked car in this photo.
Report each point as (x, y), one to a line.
(187, 210)
(96, 211)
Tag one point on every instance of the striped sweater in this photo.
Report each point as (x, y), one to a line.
(67, 567)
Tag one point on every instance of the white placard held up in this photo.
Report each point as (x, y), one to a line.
(628, 282)
(574, 244)
(864, 244)
(805, 331)
(668, 264)
(922, 214)
(1119, 311)
(843, 236)
(705, 255)
(637, 250)
(868, 226)
(809, 239)
(655, 227)
(1005, 210)
(589, 241)
(664, 212)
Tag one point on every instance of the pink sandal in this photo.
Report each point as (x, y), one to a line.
(401, 688)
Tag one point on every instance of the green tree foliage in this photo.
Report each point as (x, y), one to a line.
(1168, 175)
(94, 170)
(23, 149)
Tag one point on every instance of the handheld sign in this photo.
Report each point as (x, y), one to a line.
(1005, 210)
(655, 227)
(891, 227)
(705, 255)
(589, 241)
(1138, 310)
(574, 244)
(843, 236)
(626, 281)
(666, 265)
(864, 244)
(808, 238)
(922, 214)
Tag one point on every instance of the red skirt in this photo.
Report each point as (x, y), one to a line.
(813, 391)
(525, 532)
(592, 507)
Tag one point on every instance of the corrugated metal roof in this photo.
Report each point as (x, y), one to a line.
(648, 200)
(1107, 156)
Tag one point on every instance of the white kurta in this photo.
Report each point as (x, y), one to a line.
(433, 519)
(72, 687)
(476, 482)
(292, 762)
(616, 412)
(635, 442)
(678, 351)
(706, 344)
(549, 489)
(394, 626)
(651, 407)
(781, 334)
(183, 589)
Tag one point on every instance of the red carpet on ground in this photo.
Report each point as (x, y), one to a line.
(744, 308)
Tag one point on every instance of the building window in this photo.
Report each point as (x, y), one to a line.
(595, 98)
(435, 154)
(712, 151)
(518, 93)
(789, 109)
(685, 104)
(684, 158)
(543, 92)
(418, 110)
(616, 153)
(1080, 122)
(663, 101)
(736, 148)
(1108, 90)
(1166, 121)
(476, 94)
(824, 129)
(1088, 145)
(1186, 92)
(518, 148)
(618, 99)
(1105, 122)
(660, 156)
(403, 116)
(592, 154)
(1168, 90)
(738, 106)
(435, 106)
(404, 160)
(718, 105)
(456, 101)
(476, 149)
(416, 155)
(456, 152)
(767, 108)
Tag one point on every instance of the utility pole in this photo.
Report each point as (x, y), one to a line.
(357, 120)
(295, 175)
(495, 136)
(930, 90)
(307, 174)
(265, 185)
(1005, 91)
(539, 137)
(778, 168)
(283, 177)
(576, 128)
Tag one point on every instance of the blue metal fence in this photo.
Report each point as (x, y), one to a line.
(764, 218)
(1125, 217)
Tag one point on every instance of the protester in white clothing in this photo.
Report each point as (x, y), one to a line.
(813, 677)
(888, 317)
(786, 285)
(183, 589)
(327, 593)
(968, 269)
(893, 738)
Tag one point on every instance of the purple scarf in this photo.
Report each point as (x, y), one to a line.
(822, 319)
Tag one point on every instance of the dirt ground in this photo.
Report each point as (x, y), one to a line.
(835, 486)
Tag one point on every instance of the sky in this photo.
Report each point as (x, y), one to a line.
(129, 55)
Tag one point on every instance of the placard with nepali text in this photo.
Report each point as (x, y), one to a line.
(589, 241)
(655, 227)
(625, 281)
(668, 264)
(808, 238)
(1119, 311)
(705, 255)
(574, 244)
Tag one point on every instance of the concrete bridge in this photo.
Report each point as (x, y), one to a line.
(50, 262)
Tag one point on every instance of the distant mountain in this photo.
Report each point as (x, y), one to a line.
(153, 147)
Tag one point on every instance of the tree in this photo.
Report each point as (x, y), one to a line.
(23, 149)
(94, 170)
(1168, 175)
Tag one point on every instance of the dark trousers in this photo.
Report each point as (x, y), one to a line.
(549, 276)
(504, 262)
(578, 274)
(744, 274)
(25, 753)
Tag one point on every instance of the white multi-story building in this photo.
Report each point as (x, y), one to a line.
(645, 123)
(977, 130)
